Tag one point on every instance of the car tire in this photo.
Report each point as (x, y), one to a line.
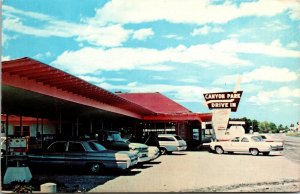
(266, 153)
(254, 151)
(219, 150)
(95, 168)
(163, 151)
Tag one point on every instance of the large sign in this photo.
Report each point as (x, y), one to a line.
(220, 118)
(223, 100)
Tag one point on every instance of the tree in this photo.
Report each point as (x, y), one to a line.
(255, 125)
(263, 127)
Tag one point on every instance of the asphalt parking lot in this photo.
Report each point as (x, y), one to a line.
(189, 171)
(203, 171)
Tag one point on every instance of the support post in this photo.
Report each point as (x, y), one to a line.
(42, 135)
(59, 123)
(91, 126)
(77, 126)
(21, 125)
(6, 143)
(72, 128)
(37, 125)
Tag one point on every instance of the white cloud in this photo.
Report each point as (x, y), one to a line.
(141, 58)
(157, 77)
(206, 30)
(220, 53)
(200, 31)
(116, 79)
(5, 38)
(192, 11)
(272, 49)
(5, 58)
(264, 73)
(294, 13)
(91, 79)
(293, 45)
(275, 25)
(173, 36)
(143, 34)
(132, 84)
(42, 55)
(180, 93)
(283, 94)
(189, 80)
(8, 11)
(108, 36)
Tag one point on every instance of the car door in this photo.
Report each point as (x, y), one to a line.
(55, 154)
(75, 155)
(245, 144)
(231, 146)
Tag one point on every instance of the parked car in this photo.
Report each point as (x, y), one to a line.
(269, 138)
(247, 144)
(169, 143)
(113, 140)
(80, 153)
(151, 140)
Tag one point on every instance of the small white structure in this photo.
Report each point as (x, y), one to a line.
(48, 188)
(236, 129)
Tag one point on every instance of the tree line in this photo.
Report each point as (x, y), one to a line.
(260, 126)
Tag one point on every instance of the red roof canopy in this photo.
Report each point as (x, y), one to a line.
(35, 76)
(156, 102)
(32, 75)
(165, 108)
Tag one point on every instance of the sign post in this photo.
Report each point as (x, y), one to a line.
(222, 104)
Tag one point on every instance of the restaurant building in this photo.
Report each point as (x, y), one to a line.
(41, 101)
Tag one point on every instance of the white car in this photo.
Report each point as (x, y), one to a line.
(153, 152)
(248, 144)
(169, 143)
(269, 138)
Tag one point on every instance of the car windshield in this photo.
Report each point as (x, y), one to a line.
(257, 138)
(115, 137)
(96, 146)
(178, 137)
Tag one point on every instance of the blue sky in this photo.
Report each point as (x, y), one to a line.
(179, 48)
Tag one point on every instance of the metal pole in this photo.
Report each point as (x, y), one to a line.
(77, 126)
(42, 135)
(21, 125)
(59, 123)
(91, 126)
(72, 128)
(6, 143)
(37, 125)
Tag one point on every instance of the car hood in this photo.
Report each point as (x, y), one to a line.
(137, 145)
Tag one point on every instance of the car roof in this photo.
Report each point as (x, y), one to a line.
(166, 134)
(76, 140)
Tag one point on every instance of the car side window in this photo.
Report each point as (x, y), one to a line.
(245, 139)
(57, 147)
(235, 139)
(166, 139)
(75, 147)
